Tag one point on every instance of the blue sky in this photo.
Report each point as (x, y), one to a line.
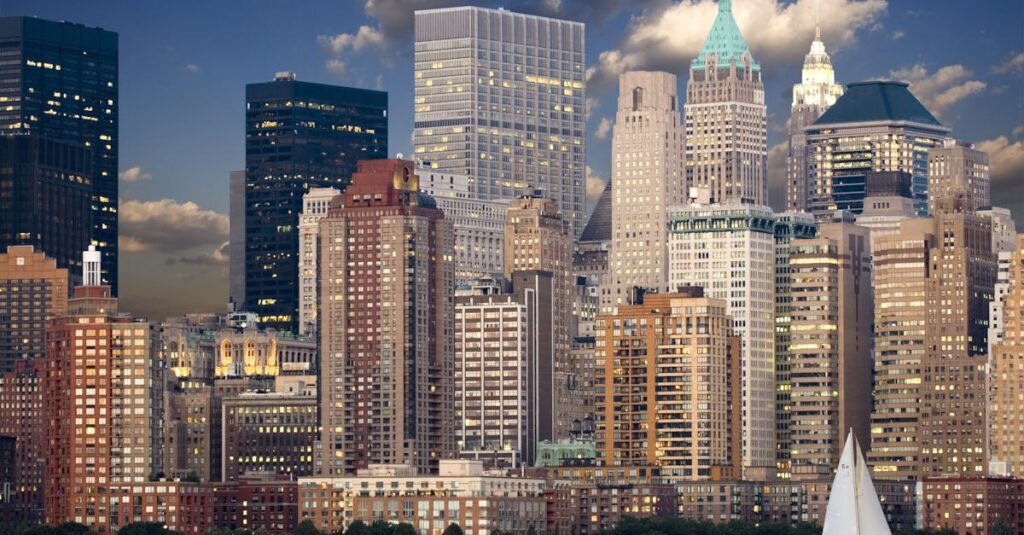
(184, 66)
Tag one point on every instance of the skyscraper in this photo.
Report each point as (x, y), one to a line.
(729, 250)
(298, 135)
(103, 394)
(1007, 376)
(726, 117)
(500, 97)
(536, 240)
(386, 316)
(60, 91)
(874, 126)
(955, 166)
(314, 208)
(33, 291)
(236, 238)
(814, 94)
(648, 149)
(659, 405)
(830, 345)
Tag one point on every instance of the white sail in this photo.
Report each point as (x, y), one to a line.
(853, 506)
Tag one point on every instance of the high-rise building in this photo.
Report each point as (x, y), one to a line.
(236, 238)
(958, 166)
(536, 240)
(648, 151)
(789, 226)
(933, 284)
(729, 250)
(1004, 229)
(298, 135)
(726, 117)
(492, 379)
(889, 199)
(314, 208)
(874, 126)
(590, 262)
(901, 266)
(60, 113)
(22, 408)
(1007, 375)
(386, 316)
(500, 97)
(830, 345)
(103, 392)
(814, 94)
(667, 377)
(960, 286)
(33, 291)
(479, 224)
(268, 432)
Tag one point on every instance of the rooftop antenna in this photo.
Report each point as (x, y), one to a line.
(817, 20)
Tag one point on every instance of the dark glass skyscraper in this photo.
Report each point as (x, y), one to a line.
(298, 135)
(58, 117)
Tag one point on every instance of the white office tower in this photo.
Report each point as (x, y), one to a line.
(314, 208)
(500, 97)
(1004, 229)
(479, 224)
(726, 118)
(648, 176)
(729, 249)
(814, 94)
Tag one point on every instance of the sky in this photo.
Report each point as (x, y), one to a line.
(184, 66)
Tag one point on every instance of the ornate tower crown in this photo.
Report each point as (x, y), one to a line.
(724, 42)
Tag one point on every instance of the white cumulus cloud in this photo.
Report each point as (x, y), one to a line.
(134, 174)
(940, 89)
(168, 225)
(1013, 65)
(603, 129)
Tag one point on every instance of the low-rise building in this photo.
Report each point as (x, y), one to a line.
(973, 505)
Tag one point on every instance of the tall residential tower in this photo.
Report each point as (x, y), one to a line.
(726, 117)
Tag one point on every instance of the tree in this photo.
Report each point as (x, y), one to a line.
(358, 528)
(145, 528)
(1000, 528)
(452, 529)
(306, 527)
(405, 529)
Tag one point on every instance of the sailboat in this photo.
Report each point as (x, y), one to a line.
(853, 506)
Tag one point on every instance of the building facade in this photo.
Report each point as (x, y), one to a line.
(874, 126)
(830, 356)
(298, 135)
(33, 291)
(973, 505)
(667, 384)
(729, 250)
(726, 117)
(538, 246)
(815, 93)
(61, 103)
(386, 281)
(500, 97)
(314, 208)
(268, 433)
(648, 151)
(479, 224)
(21, 410)
(1006, 379)
(958, 166)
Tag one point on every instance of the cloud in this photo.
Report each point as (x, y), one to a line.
(134, 174)
(1013, 65)
(590, 105)
(218, 257)
(941, 89)
(168, 226)
(341, 43)
(1006, 166)
(590, 11)
(898, 34)
(192, 68)
(335, 66)
(595, 186)
(603, 129)
(669, 37)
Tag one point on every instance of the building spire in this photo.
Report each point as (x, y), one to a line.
(817, 33)
(725, 6)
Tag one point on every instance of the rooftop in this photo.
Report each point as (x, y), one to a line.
(724, 41)
(878, 101)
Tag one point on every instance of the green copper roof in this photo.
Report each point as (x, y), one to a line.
(725, 41)
(877, 101)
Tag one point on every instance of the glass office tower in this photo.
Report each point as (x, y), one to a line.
(58, 118)
(298, 135)
(500, 98)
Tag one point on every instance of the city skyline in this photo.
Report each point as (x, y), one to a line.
(174, 166)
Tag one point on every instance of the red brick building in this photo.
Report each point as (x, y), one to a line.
(21, 411)
(973, 505)
(257, 502)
